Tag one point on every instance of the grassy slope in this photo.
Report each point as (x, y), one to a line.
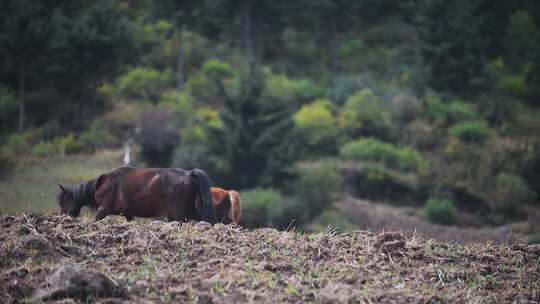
(33, 188)
(166, 262)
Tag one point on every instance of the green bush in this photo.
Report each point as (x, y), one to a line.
(374, 181)
(364, 114)
(471, 132)
(216, 69)
(512, 84)
(257, 205)
(280, 89)
(441, 211)
(16, 144)
(144, 84)
(45, 149)
(95, 138)
(370, 149)
(68, 145)
(448, 113)
(318, 186)
(510, 191)
(316, 122)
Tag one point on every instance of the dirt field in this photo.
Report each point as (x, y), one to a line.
(159, 262)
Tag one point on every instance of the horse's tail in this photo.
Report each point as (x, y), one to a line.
(236, 206)
(204, 206)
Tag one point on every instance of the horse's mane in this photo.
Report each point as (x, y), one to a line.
(83, 194)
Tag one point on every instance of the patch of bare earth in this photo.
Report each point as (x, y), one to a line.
(58, 258)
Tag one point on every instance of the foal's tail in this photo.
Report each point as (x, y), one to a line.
(203, 206)
(236, 208)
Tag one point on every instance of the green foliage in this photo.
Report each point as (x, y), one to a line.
(256, 206)
(471, 132)
(68, 145)
(441, 211)
(16, 144)
(95, 138)
(316, 122)
(216, 69)
(61, 146)
(512, 84)
(45, 149)
(375, 181)
(511, 191)
(373, 150)
(318, 186)
(280, 90)
(522, 36)
(144, 84)
(364, 114)
(448, 113)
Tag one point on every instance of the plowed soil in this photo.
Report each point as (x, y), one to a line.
(169, 262)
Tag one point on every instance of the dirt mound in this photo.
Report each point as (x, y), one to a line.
(166, 262)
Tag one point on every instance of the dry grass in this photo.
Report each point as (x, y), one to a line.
(166, 262)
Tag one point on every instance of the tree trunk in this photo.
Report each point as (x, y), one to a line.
(333, 45)
(180, 68)
(247, 31)
(22, 110)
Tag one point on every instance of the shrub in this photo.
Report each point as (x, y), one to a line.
(144, 84)
(471, 132)
(370, 149)
(511, 190)
(16, 144)
(68, 145)
(256, 206)
(318, 186)
(280, 89)
(316, 122)
(512, 84)
(45, 149)
(441, 211)
(216, 69)
(364, 114)
(374, 181)
(449, 113)
(95, 138)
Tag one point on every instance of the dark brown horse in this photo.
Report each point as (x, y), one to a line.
(227, 204)
(143, 192)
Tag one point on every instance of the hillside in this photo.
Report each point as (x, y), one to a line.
(166, 262)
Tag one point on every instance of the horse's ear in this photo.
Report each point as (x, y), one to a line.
(61, 188)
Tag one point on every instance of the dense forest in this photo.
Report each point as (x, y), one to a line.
(426, 103)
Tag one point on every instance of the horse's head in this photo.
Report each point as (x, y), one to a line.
(66, 201)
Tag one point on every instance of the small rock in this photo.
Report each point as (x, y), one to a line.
(77, 283)
(33, 242)
(334, 293)
(205, 299)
